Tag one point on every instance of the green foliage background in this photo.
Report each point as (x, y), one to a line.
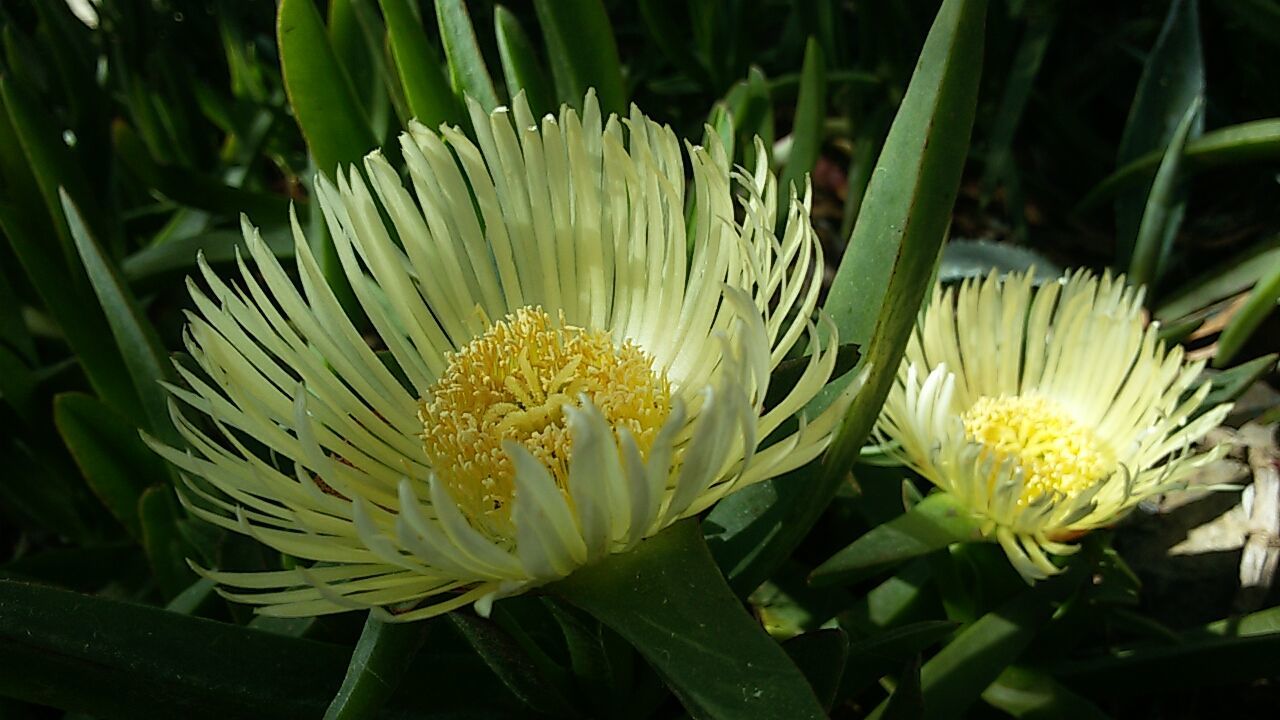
(1139, 136)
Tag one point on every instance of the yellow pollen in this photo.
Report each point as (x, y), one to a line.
(513, 383)
(1058, 455)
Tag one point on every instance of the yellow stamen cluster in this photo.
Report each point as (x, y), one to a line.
(513, 383)
(1058, 455)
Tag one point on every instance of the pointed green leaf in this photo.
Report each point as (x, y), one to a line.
(881, 282)
(427, 91)
(580, 43)
(874, 657)
(934, 523)
(906, 702)
(1231, 383)
(520, 65)
(667, 598)
(1230, 651)
(821, 656)
(114, 659)
(466, 62)
(332, 121)
(112, 458)
(381, 658)
(1251, 142)
(807, 125)
(1162, 215)
(143, 354)
(1260, 303)
(1172, 78)
(167, 551)
(1026, 693)
(512, 665)
(954, 678)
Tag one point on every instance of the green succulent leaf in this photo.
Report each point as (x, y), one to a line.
(667, 598)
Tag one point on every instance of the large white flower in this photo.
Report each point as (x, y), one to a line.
(572, 351)
(1047, 412)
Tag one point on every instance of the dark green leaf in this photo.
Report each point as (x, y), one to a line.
(1257, 141)
(1031, 694)
(167, 551)
(113, 659)
(1233, 276)
(1162, 215)
(934, 523)
(520, 65)
(425, 87)
(1260, 303)
(143, 353)
(217, 247)
(806, 127)
(333, 123)
(1172, 78)
(583, 52)
(668, 599)
(381, 658)
(1231, 651)
(513, 666)
(954, 678)
(87, 569)
(192, 189)
(821, 656)
(906, 702)
(110, 455)
(466, 62)
(1231, 383)
(874, 657)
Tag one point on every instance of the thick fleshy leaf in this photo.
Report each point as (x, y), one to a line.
(963, 259)
(114, 659)
(143, 353)
(881, 654)
(932, 524)
(167, 550)
(425, 87)
(1260, 303)
(1172, 79)
(1026, 693)
(954, 678)
(667, 598)
(110, 455)
(1251, 142)
(37, 239)
(1232, 276)
(583, 52)
(382, 656)
(333, 123)
(512, 665)
(1162, 215)
(520, 65)
(879, 286)
(1234, 650)
(1231, 383)
(821, 656)
(466, 62)
(906, 702)
(807, 125)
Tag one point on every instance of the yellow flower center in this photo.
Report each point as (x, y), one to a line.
(514, 383)
(1058, 455)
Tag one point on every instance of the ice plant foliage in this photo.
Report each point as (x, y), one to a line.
(1046, 411)
(563, 366)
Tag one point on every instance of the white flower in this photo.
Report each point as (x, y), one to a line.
(1046, 411)
(570, 364)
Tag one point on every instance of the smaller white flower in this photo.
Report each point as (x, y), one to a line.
(1047, 411)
